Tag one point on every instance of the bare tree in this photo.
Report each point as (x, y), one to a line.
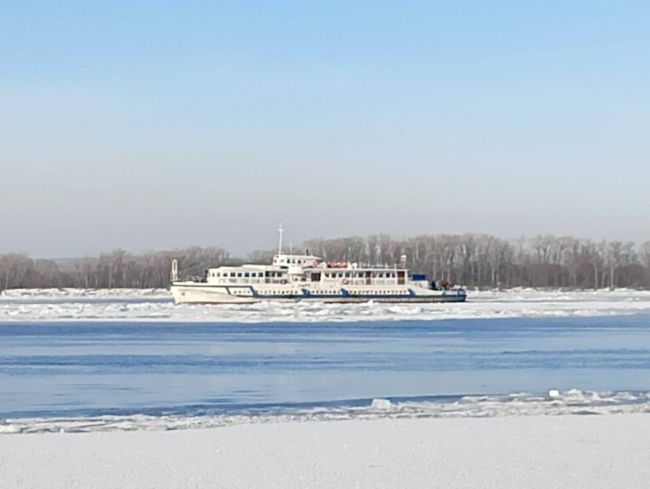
(470, 259)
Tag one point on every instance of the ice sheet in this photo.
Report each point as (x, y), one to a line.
(157, 305)
(554, 403)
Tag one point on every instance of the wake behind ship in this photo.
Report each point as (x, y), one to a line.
(307, 277)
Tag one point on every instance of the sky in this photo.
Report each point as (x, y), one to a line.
(150, 125)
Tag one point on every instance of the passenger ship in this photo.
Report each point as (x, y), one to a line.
(306, 277)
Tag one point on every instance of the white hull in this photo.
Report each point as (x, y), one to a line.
(200, 293)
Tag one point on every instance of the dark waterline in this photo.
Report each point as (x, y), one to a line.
(66, 369)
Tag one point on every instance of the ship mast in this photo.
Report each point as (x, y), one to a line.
(280, 231)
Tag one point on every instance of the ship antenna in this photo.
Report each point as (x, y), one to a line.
(280, 230)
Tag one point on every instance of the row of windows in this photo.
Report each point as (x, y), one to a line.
(378, 292)
(292, 261)
(331, 292)
(335, 275)
(241, 274)
(358, 274)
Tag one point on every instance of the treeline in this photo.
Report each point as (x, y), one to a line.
(473, 260)
(117, 269)
(486, 261)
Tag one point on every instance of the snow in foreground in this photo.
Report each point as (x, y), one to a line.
(156, 305)
(560, 452)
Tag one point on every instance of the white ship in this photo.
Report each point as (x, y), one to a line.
(306, 277)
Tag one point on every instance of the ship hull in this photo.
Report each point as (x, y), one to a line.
(194, 293)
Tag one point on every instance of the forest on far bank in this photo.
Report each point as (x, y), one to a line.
(472, 260)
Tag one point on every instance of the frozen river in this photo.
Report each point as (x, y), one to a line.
(142, 359)
(157, 306)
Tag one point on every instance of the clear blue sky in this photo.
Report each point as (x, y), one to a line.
(153, 124)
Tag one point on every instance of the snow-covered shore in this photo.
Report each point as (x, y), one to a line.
(156, 305)
(504, 452)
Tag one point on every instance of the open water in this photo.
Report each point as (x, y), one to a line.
(54, 370)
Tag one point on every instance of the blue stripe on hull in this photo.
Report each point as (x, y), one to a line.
(345, 295)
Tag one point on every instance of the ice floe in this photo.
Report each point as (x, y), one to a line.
(156, 305)
(554, 403)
